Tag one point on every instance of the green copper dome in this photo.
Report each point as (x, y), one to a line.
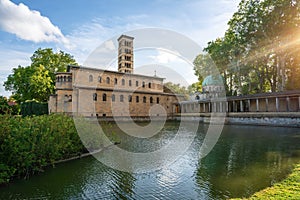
(213, 80)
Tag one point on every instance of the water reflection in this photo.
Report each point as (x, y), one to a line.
(245, 160)
(248, 159)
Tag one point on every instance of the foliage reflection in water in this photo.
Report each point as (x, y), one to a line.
(245, 160)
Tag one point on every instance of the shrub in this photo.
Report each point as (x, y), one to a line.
(30, 108)
(27, 144)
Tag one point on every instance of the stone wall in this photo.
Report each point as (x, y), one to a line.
(96, 78)
(95, 92)
(262, 119)
(117, 103)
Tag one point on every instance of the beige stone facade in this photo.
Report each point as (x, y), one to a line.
(102, 93)
(95, 92)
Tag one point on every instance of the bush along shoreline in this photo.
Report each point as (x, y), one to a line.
(29, 144)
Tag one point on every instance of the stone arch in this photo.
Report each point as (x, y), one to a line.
(104, 97)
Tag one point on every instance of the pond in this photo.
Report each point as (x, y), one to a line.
(245, 159)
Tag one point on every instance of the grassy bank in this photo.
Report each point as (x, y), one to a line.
(289, 188)
(28, 144)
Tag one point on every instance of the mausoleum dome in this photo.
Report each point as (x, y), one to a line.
(213, 81)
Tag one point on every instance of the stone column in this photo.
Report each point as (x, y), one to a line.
(204, 109)
(277, 104)
(288, 104)
(267, 104)
(257, 105)
(241, 106)
(221, 107)
(227, 105)
(249, 104)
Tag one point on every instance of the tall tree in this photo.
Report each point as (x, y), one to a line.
(41, 83)
(4, 107)
(259, 51)
(19, 83)
(53, 62)
(37, 80)
(176, 88)
(204, 66)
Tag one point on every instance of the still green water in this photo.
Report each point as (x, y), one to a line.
(245, 159)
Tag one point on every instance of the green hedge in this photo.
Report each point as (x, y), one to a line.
(27, 144)
(33, 108)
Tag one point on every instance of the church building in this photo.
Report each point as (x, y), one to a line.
(97, 92)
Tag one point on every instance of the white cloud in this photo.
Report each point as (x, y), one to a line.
(165, 57)
(28, 24)
(166, 64)
(109, 45)
(202, 21)
(3, 77)
(87, 37)
(10, 59)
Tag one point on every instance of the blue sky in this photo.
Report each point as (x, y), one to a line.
(78, 27)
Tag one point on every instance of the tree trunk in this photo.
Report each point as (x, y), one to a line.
(278, 77)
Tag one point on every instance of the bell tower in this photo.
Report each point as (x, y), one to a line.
(125, 56)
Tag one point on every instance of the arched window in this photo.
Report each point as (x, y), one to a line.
(116, 81)
(123, 81)
(69, 78)
(144, 99)
(149, 85)
(99, 79)
(113, 98)
(65, 79)
(90, 78)
(58, 79)
(121, 98)
(143, 84)
(129, 98)
(107, 80)
(95, 96)
(151, 99)
(137, 99)
(104, 97)
(136, 83)
(129, 83)
(157, 100)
